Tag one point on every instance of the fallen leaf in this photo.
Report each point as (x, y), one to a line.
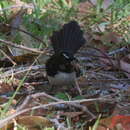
(118, 122)
(124, 121)
(20, 59)
(30, 123)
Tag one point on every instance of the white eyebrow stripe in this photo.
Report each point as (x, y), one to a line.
(65, 56)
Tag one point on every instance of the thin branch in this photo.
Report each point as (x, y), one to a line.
(9, 118)
(14, 63)
(23, 47)
(28, 33)
(27, 100)
(21, 70)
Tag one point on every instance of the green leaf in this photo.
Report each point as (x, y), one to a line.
(62, 96)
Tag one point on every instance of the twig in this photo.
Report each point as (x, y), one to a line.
(118, 51)
(102, 53)
(36, 83)
(27, 100)
(8, 57)
(23, 47)
(106, 80)
(20, 70)
(9, 118)
(73, 103)
(77, 87)
(28, 33)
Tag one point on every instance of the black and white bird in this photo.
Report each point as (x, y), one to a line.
(62, 67)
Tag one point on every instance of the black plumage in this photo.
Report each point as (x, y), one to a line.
(62, 67)
(66, 42)
(69, 39)
(58, 62)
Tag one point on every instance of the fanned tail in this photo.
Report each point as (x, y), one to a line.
(69, 39)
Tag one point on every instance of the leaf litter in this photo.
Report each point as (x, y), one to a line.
(105, 81)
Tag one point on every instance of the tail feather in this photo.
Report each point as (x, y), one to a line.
(68, 39)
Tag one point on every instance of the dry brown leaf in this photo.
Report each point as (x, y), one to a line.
(104, 124)
(118, 122)
(30, 122)
(20, 59)
(121, 121)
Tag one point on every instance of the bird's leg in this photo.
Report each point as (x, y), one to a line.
(51, 87)
(76, 85)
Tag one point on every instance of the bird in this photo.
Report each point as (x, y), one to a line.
(62, 67)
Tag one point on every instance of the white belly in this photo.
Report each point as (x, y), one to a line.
(62, 78)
